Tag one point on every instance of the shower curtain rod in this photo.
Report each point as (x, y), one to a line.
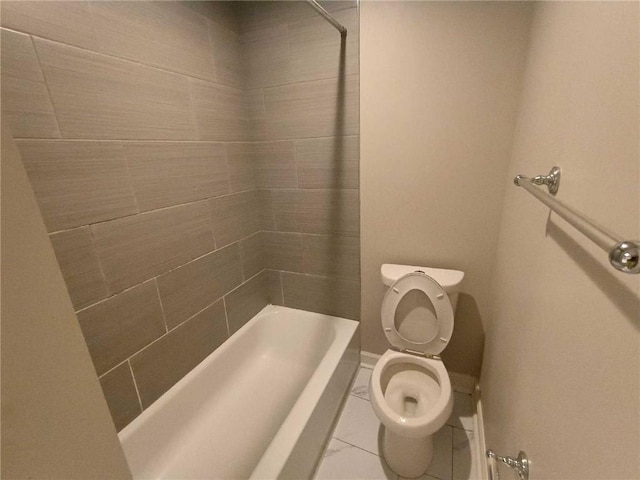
(624, 255)
(328, 17)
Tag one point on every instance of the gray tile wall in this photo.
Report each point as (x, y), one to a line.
(188, 175)
(134, 135)
(302, 96)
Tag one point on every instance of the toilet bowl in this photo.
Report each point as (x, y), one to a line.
(410, 390)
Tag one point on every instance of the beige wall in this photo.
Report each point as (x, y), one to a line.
(560, 377)
(440, 83)
(55, 422)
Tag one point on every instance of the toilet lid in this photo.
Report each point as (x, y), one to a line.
(417, 314)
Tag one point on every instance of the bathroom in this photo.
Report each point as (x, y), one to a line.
(193, 162)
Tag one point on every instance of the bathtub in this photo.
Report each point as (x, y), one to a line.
(260, 406)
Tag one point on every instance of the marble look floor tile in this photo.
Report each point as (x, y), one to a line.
(346, 462)
(462, 414)
(354, 451)
(360, 386)
(442, 454)
(464, 455)
(358, 425)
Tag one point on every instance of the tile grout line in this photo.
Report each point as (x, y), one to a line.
(46, 84)
(159, 275)
(356, 446)
(330, 277)
(185, 321)
(306, 82)
(164, 335)
(124, 59)
(208, 199)
(102, 375)
(135, 384)
(102, 300)
(226, 316)
(208, 306)
(164, 316)
(280, 272)
(241, 256)
(244, 282)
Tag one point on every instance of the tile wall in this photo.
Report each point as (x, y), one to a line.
(303, 100)
(191, 165)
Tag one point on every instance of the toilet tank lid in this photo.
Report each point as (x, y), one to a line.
(449, 280)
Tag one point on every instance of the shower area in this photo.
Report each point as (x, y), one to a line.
(193, 163)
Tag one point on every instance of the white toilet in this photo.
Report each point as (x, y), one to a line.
(409, 388)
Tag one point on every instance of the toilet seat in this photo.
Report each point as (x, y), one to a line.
(443, 312)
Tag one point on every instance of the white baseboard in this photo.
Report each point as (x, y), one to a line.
(480, 442)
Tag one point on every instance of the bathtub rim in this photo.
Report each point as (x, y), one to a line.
(275, 455)
(278, 452)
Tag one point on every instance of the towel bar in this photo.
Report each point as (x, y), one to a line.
(624, 255)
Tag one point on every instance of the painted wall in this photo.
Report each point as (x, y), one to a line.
(440, 84)
(55, 422)
(560, 374)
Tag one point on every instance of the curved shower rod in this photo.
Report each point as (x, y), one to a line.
(341, 28)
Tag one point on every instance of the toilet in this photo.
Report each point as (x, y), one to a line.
(410, 390)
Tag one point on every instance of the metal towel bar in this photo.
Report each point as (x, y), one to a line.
(624, 255)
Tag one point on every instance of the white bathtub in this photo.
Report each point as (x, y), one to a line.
(260, 406)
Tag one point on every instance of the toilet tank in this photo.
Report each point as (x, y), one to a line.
(449, 280)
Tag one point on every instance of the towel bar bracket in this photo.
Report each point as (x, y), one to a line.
(520, 463)
(552, 181)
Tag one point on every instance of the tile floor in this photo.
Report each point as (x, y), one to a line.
(352, 452)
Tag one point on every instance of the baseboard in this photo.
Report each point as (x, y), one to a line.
(482, 466)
